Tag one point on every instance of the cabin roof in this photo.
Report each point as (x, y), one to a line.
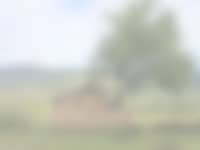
(78, 95)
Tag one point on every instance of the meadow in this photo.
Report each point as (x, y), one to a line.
(102, 141)
(29, 103)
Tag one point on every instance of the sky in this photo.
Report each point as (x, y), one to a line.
(64, 33)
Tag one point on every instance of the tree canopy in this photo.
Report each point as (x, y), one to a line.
(144, 46)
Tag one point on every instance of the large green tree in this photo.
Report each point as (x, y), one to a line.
(143, 46)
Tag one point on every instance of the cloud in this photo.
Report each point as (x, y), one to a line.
(188, 14)
(38, 31)
(55, 33)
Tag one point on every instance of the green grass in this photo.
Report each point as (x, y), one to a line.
(37, 140)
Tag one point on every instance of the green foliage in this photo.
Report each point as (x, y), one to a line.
(143, 47)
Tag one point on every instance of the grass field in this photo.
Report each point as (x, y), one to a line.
(32, 104)
(37, 140)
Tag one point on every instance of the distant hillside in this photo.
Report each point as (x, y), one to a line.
(26, 74)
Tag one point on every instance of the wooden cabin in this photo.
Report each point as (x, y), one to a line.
(88, 108)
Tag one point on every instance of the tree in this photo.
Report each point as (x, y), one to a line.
(142, 47)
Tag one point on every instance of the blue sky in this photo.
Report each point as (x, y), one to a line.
(64, 33)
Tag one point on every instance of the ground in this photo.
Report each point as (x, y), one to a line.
(33, 140)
